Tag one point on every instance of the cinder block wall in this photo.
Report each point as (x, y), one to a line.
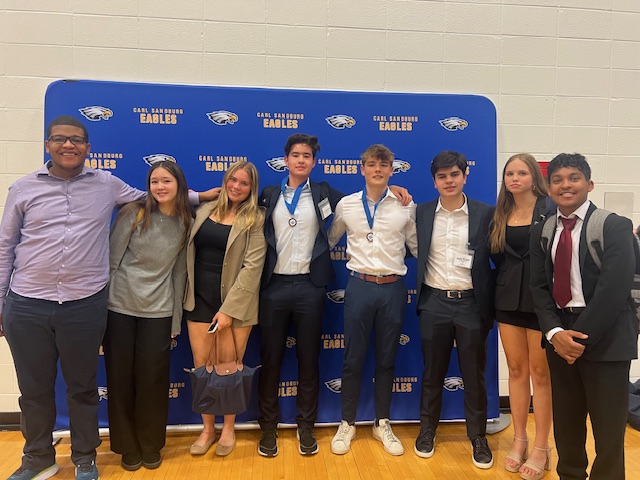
(564, 74)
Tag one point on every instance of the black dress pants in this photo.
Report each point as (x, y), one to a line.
(39, 333)
(290, 299)
(443, 321)
(137, 358)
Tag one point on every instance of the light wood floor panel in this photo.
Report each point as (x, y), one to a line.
(366, 461)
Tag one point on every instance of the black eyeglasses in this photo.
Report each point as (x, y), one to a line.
(60, 139)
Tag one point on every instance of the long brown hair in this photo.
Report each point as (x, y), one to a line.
(148, 205)
(505, 202)
(247, 212)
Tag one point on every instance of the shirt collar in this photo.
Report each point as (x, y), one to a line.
(464, 208)
(44, 170)
(306, 185)
(579, 212)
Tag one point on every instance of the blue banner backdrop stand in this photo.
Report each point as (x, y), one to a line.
(205, 129)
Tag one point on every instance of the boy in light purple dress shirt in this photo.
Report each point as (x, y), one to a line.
(54, 268)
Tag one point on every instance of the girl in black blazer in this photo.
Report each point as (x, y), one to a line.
(521, 203)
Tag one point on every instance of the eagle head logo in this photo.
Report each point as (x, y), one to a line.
(96, 113)
(290, 342)
(102, 393)
(277, 164)
(454, 123)
(404, 339)
(453, 383)
(400, 166)
(222, 117)
(158, 157)
(336, 296)
(334, 385)
(341, 121)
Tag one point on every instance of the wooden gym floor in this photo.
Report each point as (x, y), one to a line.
(366, 460)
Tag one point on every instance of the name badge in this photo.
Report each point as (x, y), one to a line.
(325, 208)
(464, 260)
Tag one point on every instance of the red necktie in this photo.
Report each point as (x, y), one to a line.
(562, 264)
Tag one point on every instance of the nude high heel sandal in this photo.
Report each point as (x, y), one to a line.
(518, 459)
(537, 468)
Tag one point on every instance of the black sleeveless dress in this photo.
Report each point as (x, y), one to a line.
(211, 243)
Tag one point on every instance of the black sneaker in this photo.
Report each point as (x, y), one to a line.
(151, 460)
(131, 461)
(268, 443)
(482, 457)
(307, 444)
(425, 443)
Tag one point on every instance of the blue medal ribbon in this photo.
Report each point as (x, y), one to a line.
(365, 204)
(296, 195)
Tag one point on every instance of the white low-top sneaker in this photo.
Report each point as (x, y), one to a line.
(383, 432)
(341, 442)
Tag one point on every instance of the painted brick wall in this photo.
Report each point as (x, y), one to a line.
(563, 74)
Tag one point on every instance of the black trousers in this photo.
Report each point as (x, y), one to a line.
(598, 389)
(290, 299)
(367, 307)
(136, 354)
(443, 320)
(39, 333)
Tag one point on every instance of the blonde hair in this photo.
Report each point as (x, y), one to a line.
(505, 202)
(247, 212)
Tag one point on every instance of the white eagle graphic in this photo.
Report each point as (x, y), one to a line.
(341, 121)
(277, 164)
(400, 166)
(454, 123)
(96, 113)
(158, 157)
(453, 383)
(222, 117)
(334, 385)
(336, 296)
(102, 393)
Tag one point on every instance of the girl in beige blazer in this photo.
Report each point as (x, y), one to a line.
(236, 214)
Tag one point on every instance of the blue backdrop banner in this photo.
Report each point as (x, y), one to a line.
(205, 129)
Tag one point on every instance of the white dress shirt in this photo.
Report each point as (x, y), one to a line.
(577, 296)
(393, 227)
(294, 245)
(450, 239)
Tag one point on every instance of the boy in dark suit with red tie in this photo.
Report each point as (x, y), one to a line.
(590, 329)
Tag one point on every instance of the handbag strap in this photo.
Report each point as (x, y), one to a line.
(224, 354)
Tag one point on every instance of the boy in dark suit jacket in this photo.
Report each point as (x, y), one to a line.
(297, 269)
(585, 316)
(455, 301)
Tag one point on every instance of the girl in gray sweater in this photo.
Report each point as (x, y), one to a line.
(148, 274)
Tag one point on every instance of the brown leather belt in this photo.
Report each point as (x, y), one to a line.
(574, 310)
(377, 279)
(452, 293)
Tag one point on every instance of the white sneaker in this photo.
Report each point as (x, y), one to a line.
(341, 442)
(384, 433)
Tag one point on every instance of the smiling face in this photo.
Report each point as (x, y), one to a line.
(238, 187)
(300, 162)
(67, 159)
(517, 177)
(164, 187)
(449, 181)
(569, 188)
(376, 172)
